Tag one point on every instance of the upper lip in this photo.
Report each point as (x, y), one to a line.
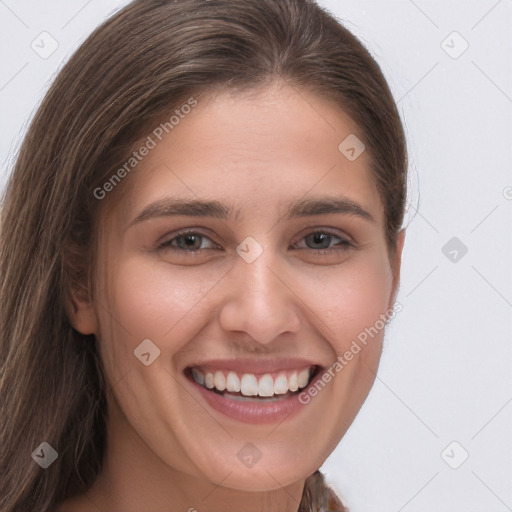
(247, 365)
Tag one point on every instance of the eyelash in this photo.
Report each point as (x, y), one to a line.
(343, 245)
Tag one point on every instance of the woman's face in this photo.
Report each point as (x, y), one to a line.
(284, 269)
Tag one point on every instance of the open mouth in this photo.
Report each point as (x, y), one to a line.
(250, 387)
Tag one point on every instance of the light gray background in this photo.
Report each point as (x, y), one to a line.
(446, 371)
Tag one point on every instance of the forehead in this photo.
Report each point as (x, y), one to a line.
(259, 150)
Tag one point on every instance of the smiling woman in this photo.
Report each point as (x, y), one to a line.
(163, 336)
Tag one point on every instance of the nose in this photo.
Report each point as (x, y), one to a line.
(260, 301)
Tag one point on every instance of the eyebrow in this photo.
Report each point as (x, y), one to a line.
(171, 206)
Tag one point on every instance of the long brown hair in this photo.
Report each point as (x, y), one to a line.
(139, 65)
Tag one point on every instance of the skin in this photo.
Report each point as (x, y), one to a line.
(257, 151)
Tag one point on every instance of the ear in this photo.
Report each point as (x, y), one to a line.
(396, 263)
(80, 311)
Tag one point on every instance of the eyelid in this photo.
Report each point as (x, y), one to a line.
(345, 240)
(328, 231)
(165, 241)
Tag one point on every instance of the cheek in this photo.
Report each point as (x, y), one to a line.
(351, 299)
(151, 300)
(148, 300)
(169, 304)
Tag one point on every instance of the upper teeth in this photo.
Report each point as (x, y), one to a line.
(249, 384)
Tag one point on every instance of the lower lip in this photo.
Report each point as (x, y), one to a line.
(254, 412)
